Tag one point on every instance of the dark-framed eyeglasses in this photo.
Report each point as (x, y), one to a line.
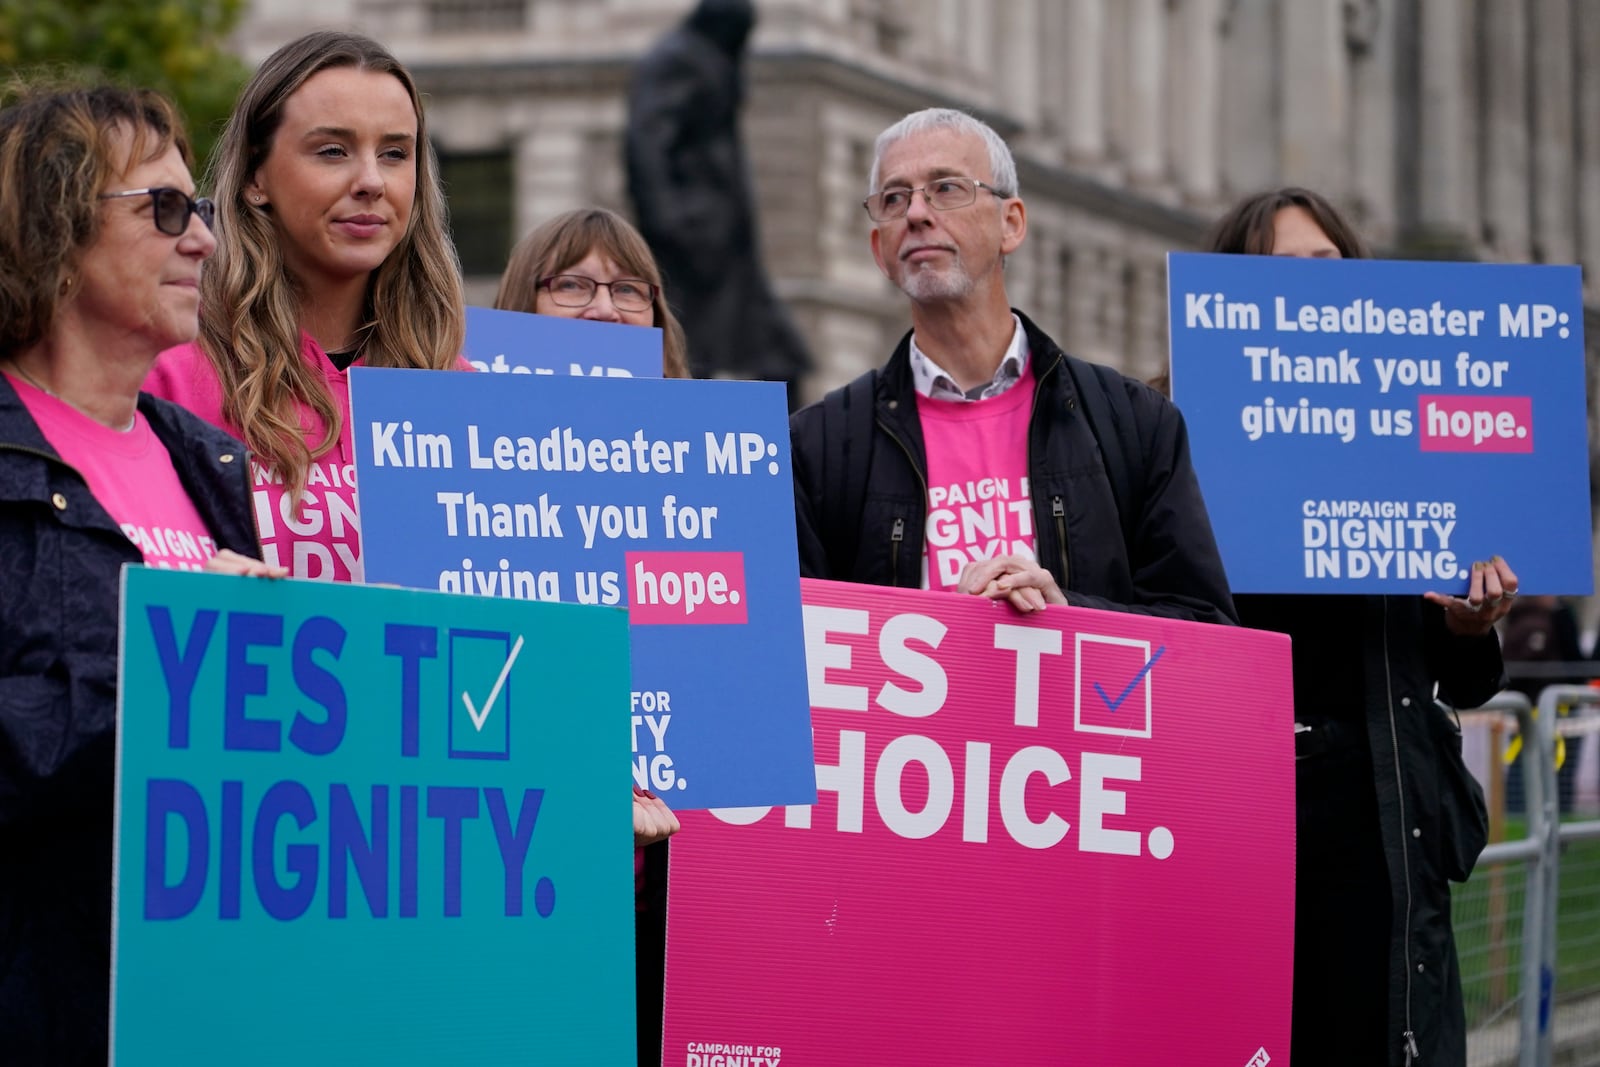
(172, 207)
(942, 194)
(577, 291)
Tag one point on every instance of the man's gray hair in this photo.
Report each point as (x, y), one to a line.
(1003, 168)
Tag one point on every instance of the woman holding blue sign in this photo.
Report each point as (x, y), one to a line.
(332, 250)
(1386, 812)
(592, 264)
(101, 244)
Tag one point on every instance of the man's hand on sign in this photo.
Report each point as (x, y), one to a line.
(1018, 579)
(652, 820)
(230, 562)
(1488, 600)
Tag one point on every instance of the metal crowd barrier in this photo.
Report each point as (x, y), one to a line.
(1539, 853)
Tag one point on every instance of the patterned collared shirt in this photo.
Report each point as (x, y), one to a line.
(933, 382)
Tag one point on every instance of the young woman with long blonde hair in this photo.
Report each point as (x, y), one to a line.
(332, 251)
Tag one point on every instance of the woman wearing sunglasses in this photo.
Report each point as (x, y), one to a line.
(100, 251)
(332, 251)
(592, 264)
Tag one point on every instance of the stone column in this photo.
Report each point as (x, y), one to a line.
(1372, 120)
(549, 171)
(1052, 295)
(947, 39)
(1588, 104)
(1075, 268)
(1084, 100)
(1248, 87)
(976, 46)
(1313, 121)
(1144, 72)
(1147, 311)
(1111, 309)
(1197, 127)
(1442, 205)
(1506, 171)
(1554, 210)
(1014, 54)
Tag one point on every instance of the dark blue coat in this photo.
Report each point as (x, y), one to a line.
(60, 561)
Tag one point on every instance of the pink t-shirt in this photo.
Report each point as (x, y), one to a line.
(322, 538)
(978, 503)
(131, 475)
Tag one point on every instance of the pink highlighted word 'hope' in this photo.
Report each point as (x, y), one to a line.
(1476, 423)
(686, 587)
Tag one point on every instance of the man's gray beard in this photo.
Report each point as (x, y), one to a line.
(952, 283)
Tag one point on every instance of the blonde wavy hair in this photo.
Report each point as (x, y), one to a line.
(250, 304)
(562, 242)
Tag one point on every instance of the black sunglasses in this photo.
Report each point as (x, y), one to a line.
(172, 207)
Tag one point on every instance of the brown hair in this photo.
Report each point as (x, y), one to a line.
(1247, 230)
(1247, 227)
(250, 305)
(59, 149)
(563, 242)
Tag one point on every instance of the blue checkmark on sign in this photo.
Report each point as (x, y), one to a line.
(1137, 678)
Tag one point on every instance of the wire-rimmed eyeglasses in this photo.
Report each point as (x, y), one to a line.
(577, 291)
(942, 194)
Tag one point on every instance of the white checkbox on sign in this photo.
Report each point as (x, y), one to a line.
(1114, 680)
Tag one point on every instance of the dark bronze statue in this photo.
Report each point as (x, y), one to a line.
(691, 193)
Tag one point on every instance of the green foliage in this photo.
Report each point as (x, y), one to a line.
(176, 46)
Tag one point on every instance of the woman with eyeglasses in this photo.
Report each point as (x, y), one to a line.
(101, 245)
(333, 251)
(592, 264)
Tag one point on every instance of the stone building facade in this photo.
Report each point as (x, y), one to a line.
(1458, 128)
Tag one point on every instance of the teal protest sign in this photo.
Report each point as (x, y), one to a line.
(368, 825)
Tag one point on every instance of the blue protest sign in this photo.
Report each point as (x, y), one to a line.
(1376, 426)
(513, 342)
(672, 497)
(363, 825)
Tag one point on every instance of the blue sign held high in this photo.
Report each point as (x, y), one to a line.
(1376, 426)
(514, 342)
(364, 825)
(673, 498)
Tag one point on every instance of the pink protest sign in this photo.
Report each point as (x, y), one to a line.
(1065, 838)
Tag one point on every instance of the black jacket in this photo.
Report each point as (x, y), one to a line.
(1170, 568)
(61, 557)
(1431, 817)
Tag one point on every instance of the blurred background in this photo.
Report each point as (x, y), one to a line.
(1447, 128)
(1464, 129)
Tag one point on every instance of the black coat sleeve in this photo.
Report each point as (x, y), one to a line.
(804, 454)
(1173, 559)
(1469, 670)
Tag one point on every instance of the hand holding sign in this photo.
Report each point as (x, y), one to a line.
(1028, 586)
(1488, 599)
(228, 561)
(653, 821)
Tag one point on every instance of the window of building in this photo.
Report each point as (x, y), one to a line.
(479, 187)
(885, 25)
(465, 16)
